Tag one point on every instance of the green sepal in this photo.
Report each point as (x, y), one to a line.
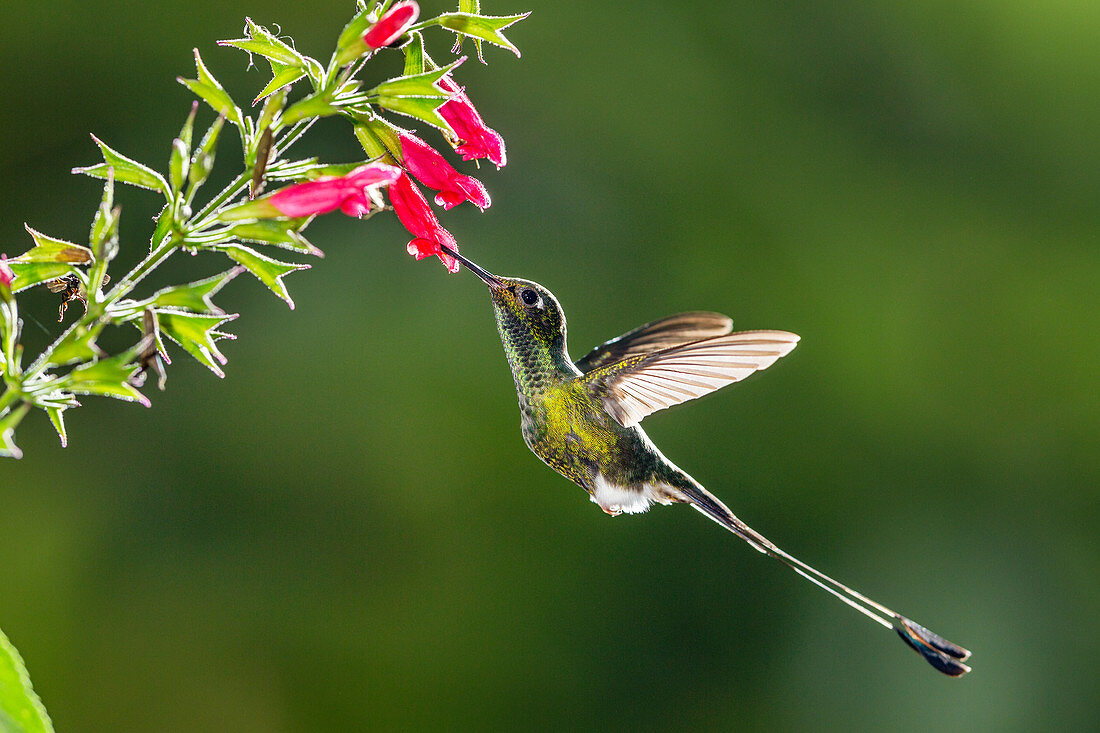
(195, 296)
(104, 232)
(207, 88)
(420, 108)
(18, 701)
(263, 42)
(49, 249)
(473, 7)
(202, 161)
(29, 274)
(77, 345)
(8, 449)
(195, 333)
(414, 55)
(378, 137)
(124, 170)
(178, 163)
(484, 27)
(267, 270)
(279, 232)
(423, 85)
(350, 45)
(108, 378)
(320, 104)
(57, 417)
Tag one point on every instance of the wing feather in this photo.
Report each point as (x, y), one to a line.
(665, 333)
(641, 384)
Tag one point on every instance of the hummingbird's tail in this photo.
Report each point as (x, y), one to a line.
(939, 652)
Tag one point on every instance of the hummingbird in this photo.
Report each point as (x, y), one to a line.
(581, 418)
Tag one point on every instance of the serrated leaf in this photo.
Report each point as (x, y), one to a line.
(124, 170)
(282, 78)
(57, 417)
(486, 27)
(108, 378)
(18, 701)
(414, 85)
(8, 449)
(29, 274)
(279, 232)
(48, 249)
(207, 88)
(195, 296)
(263, 42)
(267, 270)
(195, 333)
(420, 108)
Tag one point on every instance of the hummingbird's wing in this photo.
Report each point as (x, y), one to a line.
(674, 330)
(640, 385)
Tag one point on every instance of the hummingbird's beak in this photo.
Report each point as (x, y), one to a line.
(487, 277)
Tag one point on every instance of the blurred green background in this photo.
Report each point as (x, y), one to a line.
(347, 533)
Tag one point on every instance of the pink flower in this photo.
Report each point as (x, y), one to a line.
(6, 275)
(478, 139)
(392, 25)
(416, 215)
(349, 193)
(433, 170)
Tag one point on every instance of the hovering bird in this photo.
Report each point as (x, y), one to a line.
(581, 418)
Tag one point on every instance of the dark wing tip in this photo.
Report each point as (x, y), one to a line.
(945, 656)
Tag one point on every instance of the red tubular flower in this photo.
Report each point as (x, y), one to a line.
(392, 25)
(349, 193)
(433, 170)
(416, 215)
(478, 139)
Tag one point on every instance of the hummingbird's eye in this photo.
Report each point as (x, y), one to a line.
(530, 297)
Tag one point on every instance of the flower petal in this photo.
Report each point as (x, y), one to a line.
(392, 25)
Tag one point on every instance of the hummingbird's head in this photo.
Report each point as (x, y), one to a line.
(528, 314)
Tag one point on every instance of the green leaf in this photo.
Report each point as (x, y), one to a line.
(104, 234)
(108, 378)
(8, 449)
(261, 41)
(124, 170)
(29, 274)
(20, 709)
(207, 88)
(414, 85)
(57, 417)
(195, 296)
(280, 232)
(268, 271)
(48, 249)
(420, 108)
(282, 78)
(196, 334)
(485, 27)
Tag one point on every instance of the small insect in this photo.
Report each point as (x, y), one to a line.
(71, 288)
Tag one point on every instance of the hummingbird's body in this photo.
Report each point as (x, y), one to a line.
(581, 418)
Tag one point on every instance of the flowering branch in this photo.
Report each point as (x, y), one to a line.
(241, 222)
